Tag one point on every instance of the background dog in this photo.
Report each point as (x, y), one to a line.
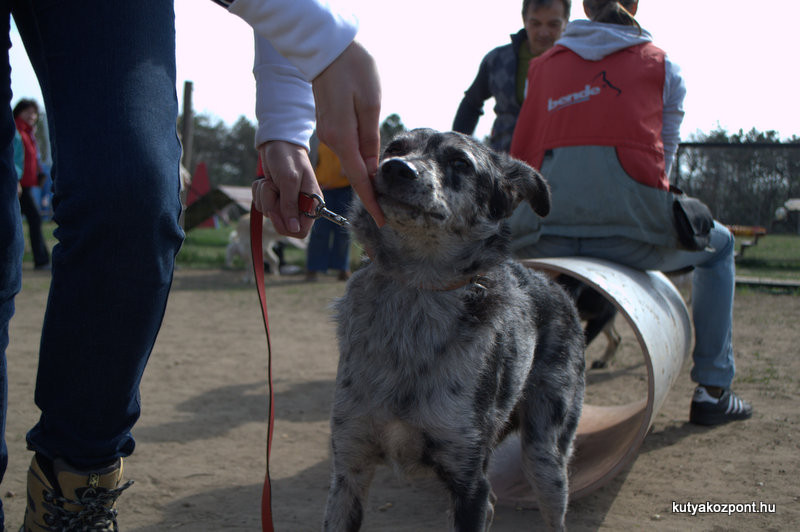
(239, 246)
(446, 344)
(598, 313)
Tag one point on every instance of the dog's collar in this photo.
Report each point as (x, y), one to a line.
(479, 280)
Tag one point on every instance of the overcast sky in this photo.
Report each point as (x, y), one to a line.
(739, 57)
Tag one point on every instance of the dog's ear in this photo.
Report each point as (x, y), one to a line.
(522, 182)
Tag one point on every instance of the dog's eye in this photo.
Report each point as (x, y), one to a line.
(460, 164)
(396, 148)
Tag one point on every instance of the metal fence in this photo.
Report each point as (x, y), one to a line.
(743, 183)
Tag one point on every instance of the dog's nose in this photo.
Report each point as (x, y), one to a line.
(398, 169)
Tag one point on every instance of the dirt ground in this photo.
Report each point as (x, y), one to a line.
(200, 457)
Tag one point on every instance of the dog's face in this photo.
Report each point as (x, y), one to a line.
(440, 191)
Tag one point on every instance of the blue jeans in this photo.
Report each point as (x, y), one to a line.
(107, 73)
(713, 288)
(329, 244)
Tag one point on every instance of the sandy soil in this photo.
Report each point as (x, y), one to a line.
(200, 458)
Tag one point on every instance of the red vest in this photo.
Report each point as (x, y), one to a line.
(30, 170)
(617, 101)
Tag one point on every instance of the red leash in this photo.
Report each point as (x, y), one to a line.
(306, 205)
(256, 219)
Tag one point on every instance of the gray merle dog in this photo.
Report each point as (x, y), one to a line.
(446, 344)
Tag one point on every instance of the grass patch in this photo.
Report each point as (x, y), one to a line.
(204, 248)
(775, 256)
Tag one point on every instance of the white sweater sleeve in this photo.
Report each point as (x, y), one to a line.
(309, 33)
(674, 93)
(284, 101)
(295, 40)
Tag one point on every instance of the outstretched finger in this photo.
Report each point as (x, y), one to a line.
(368, 108)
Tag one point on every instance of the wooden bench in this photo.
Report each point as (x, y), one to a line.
(751, 232)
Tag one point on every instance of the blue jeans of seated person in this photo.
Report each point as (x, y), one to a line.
(107, 73)
(713, 288)
(329, 244)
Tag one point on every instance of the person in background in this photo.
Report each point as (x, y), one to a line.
(601, 120)
(116, 158)
(19, 158)
(26, 115)
(329, 243)
(503, 71)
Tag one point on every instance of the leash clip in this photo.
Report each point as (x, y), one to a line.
(321, 211)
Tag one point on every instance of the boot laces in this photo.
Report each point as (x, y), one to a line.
(96, 513)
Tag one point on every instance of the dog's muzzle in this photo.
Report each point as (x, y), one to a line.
(398, 169)
(400, 186)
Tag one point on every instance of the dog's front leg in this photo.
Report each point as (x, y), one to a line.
(345, 509)
(353, 469)
(472, 505)
(462, 469)
(549, 421)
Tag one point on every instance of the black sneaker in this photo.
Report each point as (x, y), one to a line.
(707, 410)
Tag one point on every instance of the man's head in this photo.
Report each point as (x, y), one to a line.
(544, 21)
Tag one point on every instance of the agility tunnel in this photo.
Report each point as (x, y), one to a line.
(609, 435)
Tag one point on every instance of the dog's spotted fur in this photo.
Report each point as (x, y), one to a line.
(445, 343)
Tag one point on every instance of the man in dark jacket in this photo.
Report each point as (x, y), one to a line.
(503, 71)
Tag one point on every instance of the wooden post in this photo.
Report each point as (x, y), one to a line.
(677, 166)
(187, 132)
(187, 136)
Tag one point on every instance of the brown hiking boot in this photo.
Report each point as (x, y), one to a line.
(62, 498)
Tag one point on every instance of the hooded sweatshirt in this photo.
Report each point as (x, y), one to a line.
(601, 120)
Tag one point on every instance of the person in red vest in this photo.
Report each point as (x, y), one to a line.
(601, 120)
(26, 115)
